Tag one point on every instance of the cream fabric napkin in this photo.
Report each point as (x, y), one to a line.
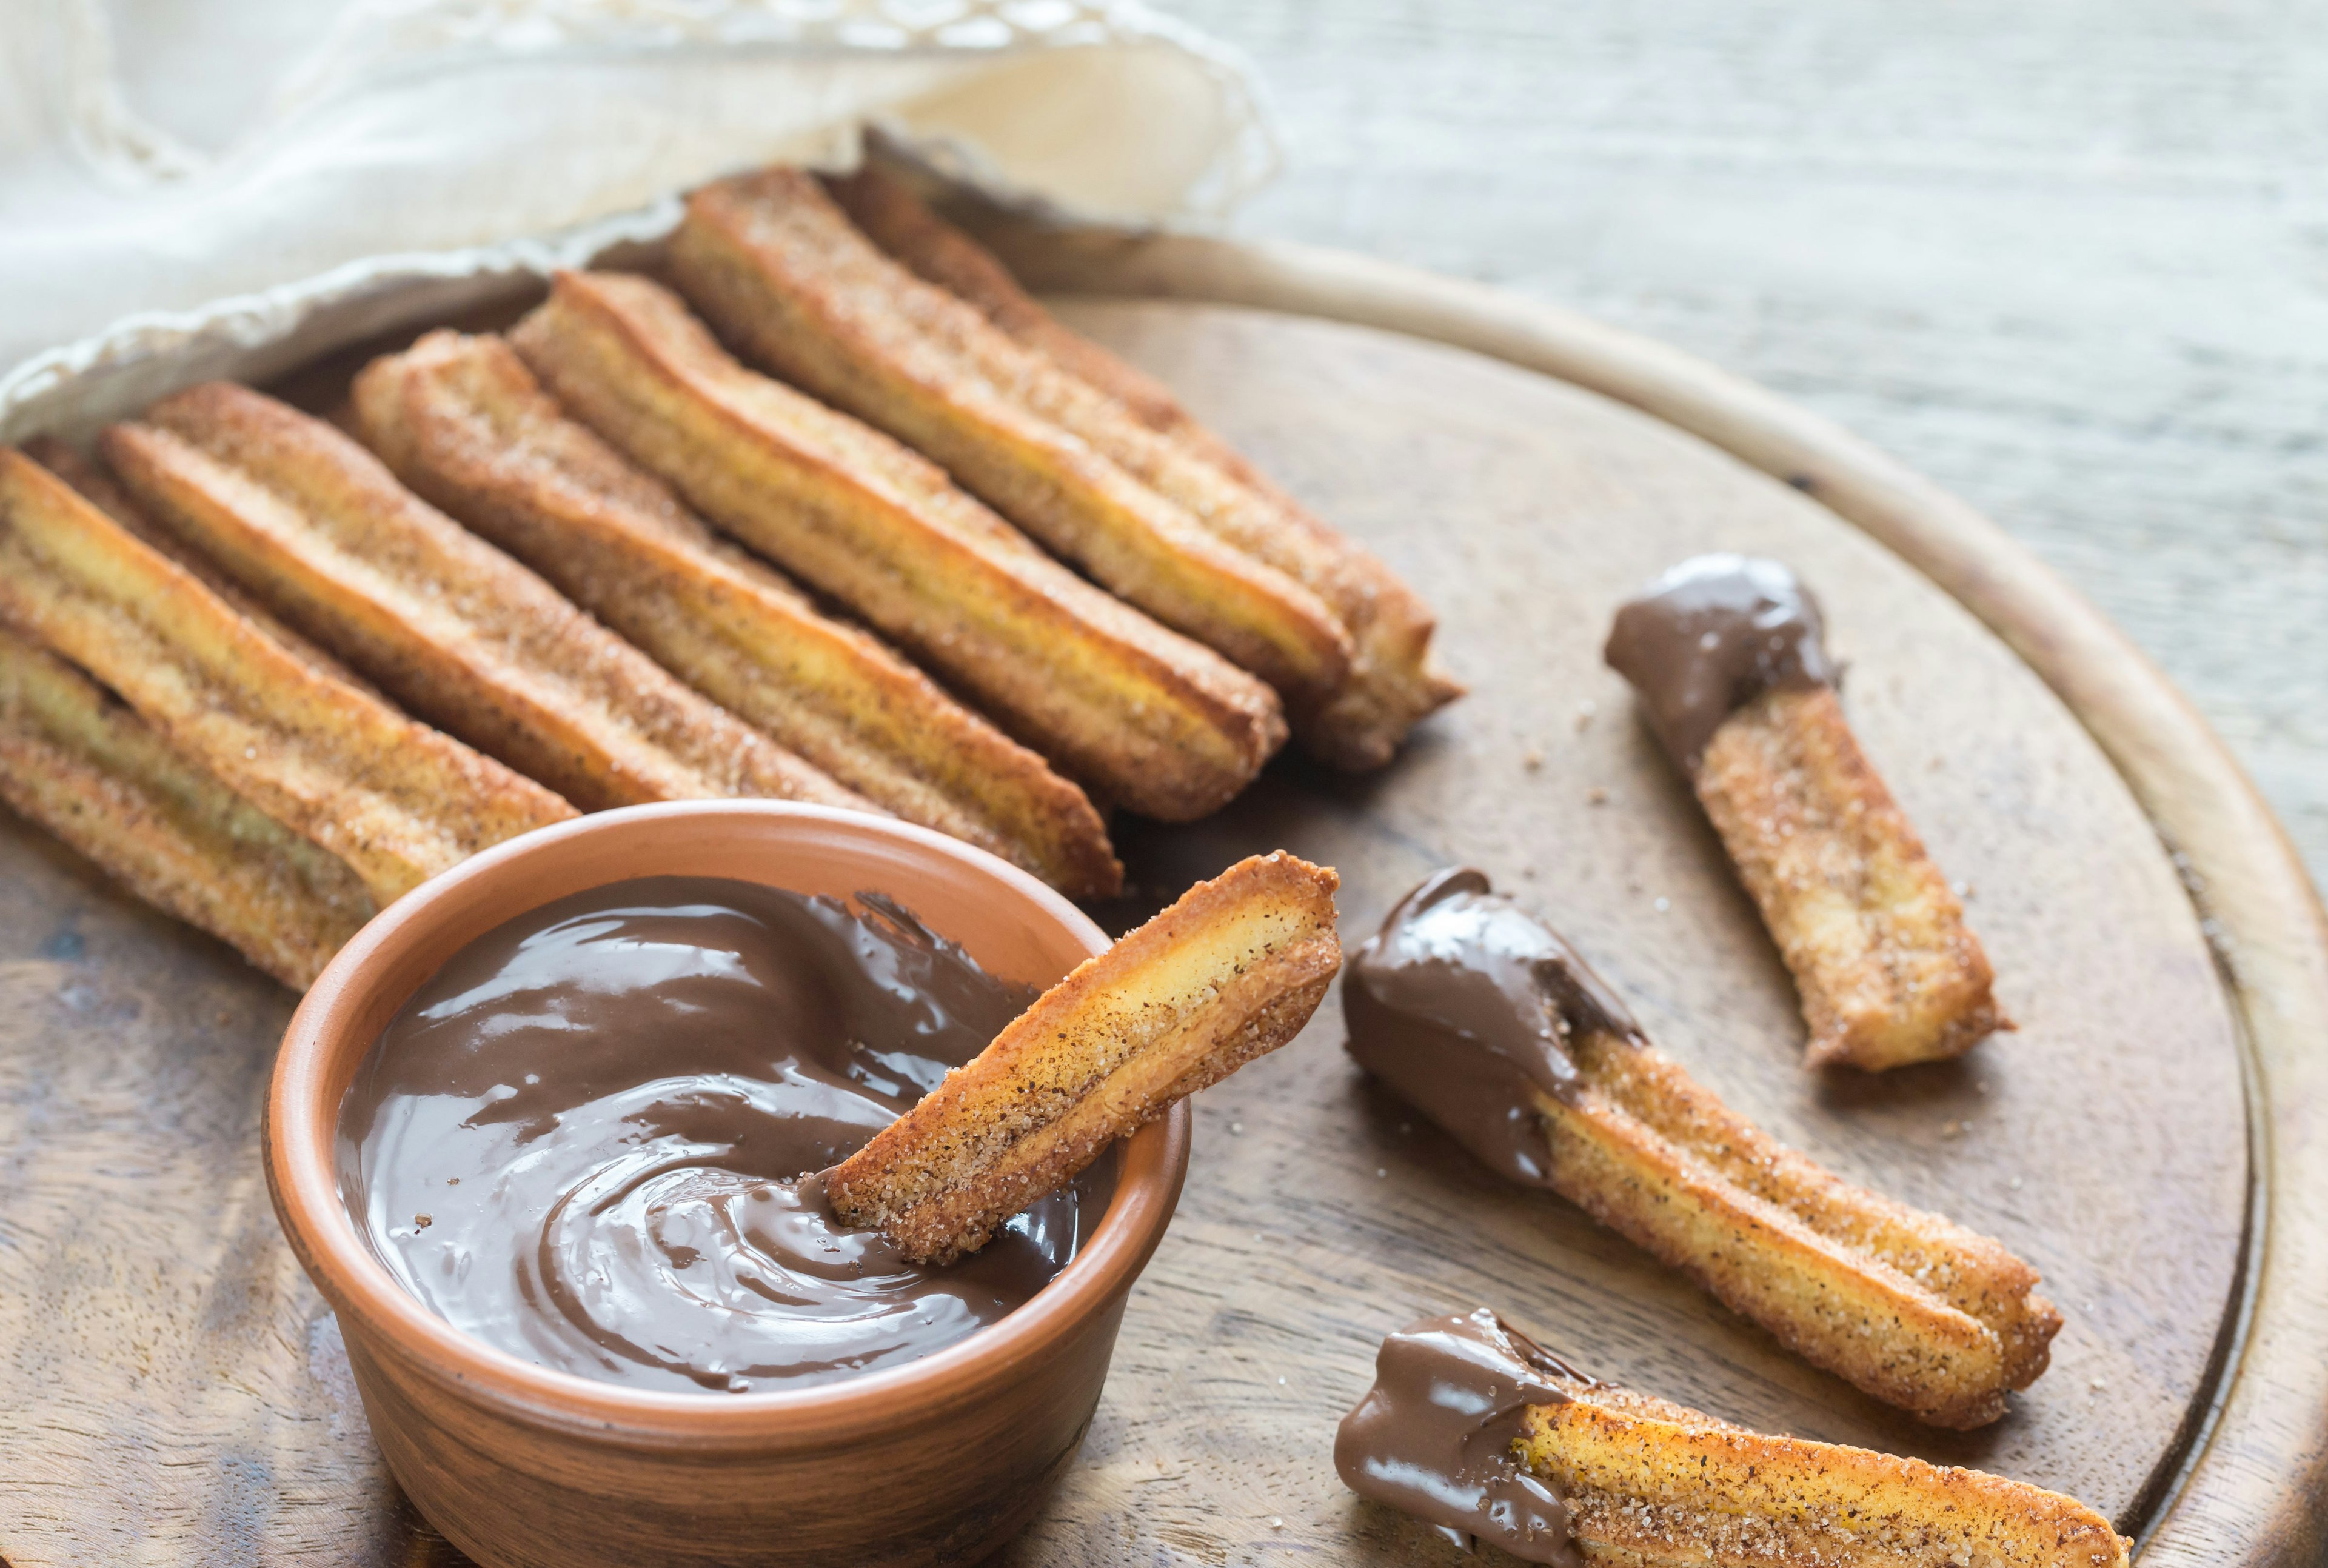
(182, 174)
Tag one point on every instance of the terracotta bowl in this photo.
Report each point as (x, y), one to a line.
(938, 1461)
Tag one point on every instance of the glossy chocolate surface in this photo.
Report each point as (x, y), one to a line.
(584, 1139)
(1434, 1435)
(1711, 636)
(1464, 1003)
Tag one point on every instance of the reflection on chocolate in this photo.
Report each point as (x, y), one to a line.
(1464, 1003)
(1433, 1437)
(581, 1140)
(1708, 637)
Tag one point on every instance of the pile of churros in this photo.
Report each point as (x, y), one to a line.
(830, 509)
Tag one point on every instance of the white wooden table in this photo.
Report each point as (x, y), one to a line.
(2071, 260)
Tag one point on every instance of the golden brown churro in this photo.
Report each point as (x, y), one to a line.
(463, 422)
(778, 267)
(1478, 1013)
(455, 630)
(1228, 973)
(1474, 1428)
(80, 763)
(1154, 721)
(1393, 681)
(1725, 651)
(397, 800)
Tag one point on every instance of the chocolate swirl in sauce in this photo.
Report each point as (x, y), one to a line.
(1711, 636)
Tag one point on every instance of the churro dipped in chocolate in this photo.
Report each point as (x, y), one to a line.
(394, 798)
(457, 631)
(1477, 1012)
(464, 423)
(778, 267)
(82, 764)
(1726, 652)
(1149, 718)
(1475, 1429)
(1228, 973)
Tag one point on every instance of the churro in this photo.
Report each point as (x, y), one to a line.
(463, 422)
(396, 800)
(1228, 973)
(1477, 1012)
(1151, 719)
(80, 763)
(1726, 652)
(457, 631)
(1474, 1428)
(1393, 679)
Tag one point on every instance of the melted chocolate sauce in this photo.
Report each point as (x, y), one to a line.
(1711, 636)
(1464, 1003)
(584, 1139)
(1433, 1437)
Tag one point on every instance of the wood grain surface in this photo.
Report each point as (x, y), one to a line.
(2066, 259)
(174, 1391)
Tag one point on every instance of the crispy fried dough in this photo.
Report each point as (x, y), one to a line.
(1911, 1306)
(1230, 973)
(1154, 721)
(455, 630)
(80, 763)
(1393, 681)
(1887, 970)
(1648, 1483)
(778, 270)
(397, 800)
(464, 423)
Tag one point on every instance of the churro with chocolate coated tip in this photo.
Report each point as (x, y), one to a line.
(397, 801)
(1149, 720)
(82, 764)
(463, 422)
(1477, 1012)
(453, 628)
(1393, 681)
(1473, 1427)
(1727, 653)
(1228, 973)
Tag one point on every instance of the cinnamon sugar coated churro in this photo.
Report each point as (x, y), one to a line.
(1477, 1429)
(313, 524)
(1726, 652)
(1475, 1011)
(776, 264)
(1228, 973)
(1151, 719)
(462, 421)
(394, 798)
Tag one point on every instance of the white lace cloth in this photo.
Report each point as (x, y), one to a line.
(184, 184)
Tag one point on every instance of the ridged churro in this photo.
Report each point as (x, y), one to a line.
(778, 267)
(1228, 973)
(397, 800)
(80, 763)
(460, 633)
(1152, 720)
(463, 422)
(1393, 681)
(1474, 1428)
(1726, 652)
(1479, 1014)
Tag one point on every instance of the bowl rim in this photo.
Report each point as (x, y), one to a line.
(300, 1131)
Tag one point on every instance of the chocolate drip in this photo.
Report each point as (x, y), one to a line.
(1434, 1437)
(1464, 1003)
(584, 1139)
(1711, 636)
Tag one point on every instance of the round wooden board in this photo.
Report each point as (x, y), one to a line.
(175, 1390)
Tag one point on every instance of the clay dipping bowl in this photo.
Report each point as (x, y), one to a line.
(936, 1462)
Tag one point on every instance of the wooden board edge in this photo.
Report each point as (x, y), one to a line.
(2252, 1488)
